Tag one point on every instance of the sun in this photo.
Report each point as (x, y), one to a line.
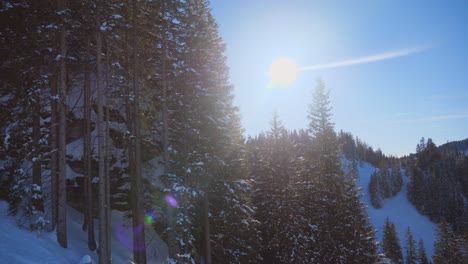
(283, 72)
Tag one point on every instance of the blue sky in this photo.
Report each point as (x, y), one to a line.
(389, 104)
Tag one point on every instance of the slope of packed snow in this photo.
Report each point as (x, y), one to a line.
(21, 246)
(399, 210)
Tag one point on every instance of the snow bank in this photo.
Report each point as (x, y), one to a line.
(24, 247)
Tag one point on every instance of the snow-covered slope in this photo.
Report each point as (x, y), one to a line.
(400, 211)
(23, 247)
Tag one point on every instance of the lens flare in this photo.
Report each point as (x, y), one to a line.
(125, 236)
(150, 217)
(171, 201)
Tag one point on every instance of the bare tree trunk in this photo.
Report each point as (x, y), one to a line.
(51, 202)
(36, 177)
(139, 251)
(104, 249)
(108, 185)
(62, 177)
(87, 153)
(130, 145)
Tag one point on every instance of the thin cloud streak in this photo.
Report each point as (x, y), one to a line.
(434, 118)
(445, 97)
(445, 117)
(373, 58)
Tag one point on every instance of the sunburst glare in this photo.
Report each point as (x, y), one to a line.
(283, 72)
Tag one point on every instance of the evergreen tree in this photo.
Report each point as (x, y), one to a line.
(338, 220)
(391, 242)
(200, 125)
(205, 144)
(422, 257)
(411, 251)
(24, 89)
(446, 249)
(324, 140)
(375, 191)
(347, 145)
(434, 187)
(385, 182)
(397, 177)
(271, 178)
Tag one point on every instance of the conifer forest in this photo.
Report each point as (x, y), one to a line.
(121, 142)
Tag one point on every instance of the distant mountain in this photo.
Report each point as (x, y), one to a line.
(455, 146)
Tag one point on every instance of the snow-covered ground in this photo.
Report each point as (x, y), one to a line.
(24, 247)
(400, 211)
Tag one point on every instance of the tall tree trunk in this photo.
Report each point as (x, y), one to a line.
(87, 152)
(36, 177)
(62, 177)
(104, 248)
(164, 94)
(139, 250)
(165, 133)
(129, 109)
(107, 173)
(131, 149)
(51, 202)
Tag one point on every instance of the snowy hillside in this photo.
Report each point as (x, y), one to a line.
(24, 247)
(399, 210)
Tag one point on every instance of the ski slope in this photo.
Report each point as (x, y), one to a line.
(400, 211)
(21, 246)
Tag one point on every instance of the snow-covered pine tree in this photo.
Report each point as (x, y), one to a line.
(422, 256)
(272, 196)
(338, 218)
(446, 248)
(233, 229)
(396, 176)
(374, 190)
(198, 95)
(301, 228)
(411, 250)
(385, 182)
(435, 186)
(391, 243)
(25, 97)
(347, 145)
(203, 141)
